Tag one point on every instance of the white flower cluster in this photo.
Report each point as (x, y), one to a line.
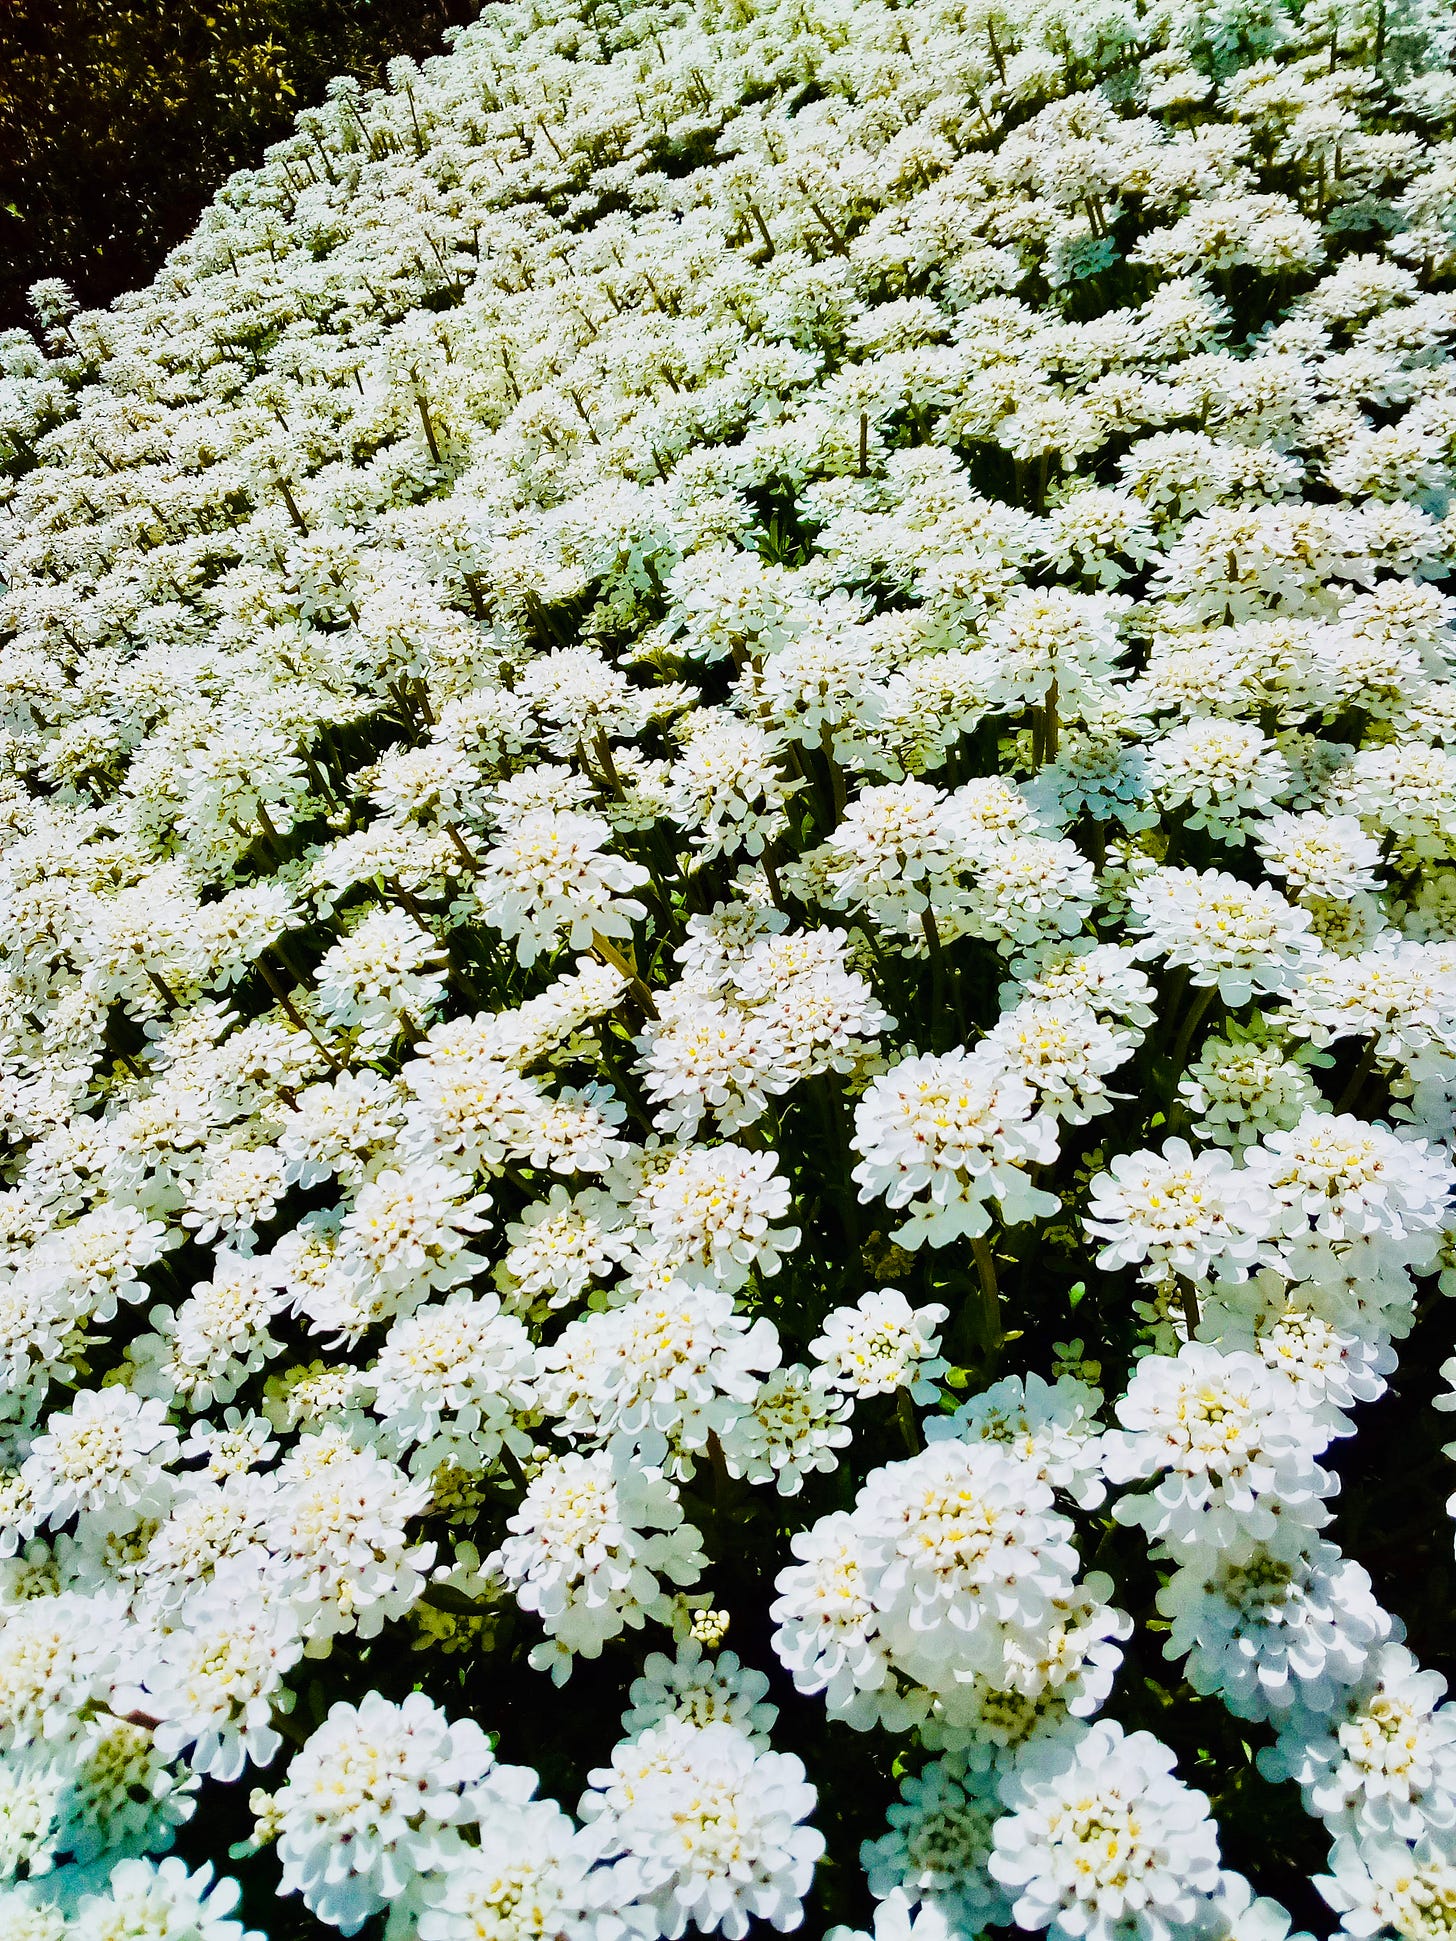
(715, 715)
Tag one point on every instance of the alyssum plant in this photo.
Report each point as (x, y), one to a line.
(728, 996)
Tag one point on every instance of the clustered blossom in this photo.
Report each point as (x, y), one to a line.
(716, 717)
(589, 1549)
(949, 1135)
(952, 1578)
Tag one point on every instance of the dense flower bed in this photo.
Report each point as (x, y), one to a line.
(728, 1005)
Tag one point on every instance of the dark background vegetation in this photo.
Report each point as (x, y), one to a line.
(120, 119)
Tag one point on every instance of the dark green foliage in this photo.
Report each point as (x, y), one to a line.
(119, 119)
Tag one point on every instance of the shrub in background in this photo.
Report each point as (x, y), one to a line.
(119, 118)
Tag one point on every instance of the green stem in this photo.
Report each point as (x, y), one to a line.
(1188, 1300)
(937, 970)
(1051, 726)
(471, 862)
(1194, 1017)
(292, 1012)
(990, 1297)
(1347, 1098)
(609, 954)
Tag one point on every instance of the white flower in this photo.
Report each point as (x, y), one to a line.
(119, 1795)
(789, 1430)
(902, 849)
(588, 1550)
(103, 1253)
(407, 1236)
(579, 690)
(147, 1899)
(1100, 1840)
(1333, 1177)
(37, 1342)
(373, 1801)
(1379, 1884)
(882, 1344)
(1382, 1761)
(1285, 1631)
(898, 1919)
(385, 975)
(1406, 790)
(214, 1518)
(337, 1534)
(431, 785)
(527, 1879)
(1052, 1426)
(1049, 1681)
(702, 1829)
(724, 599)
(1223, 775)
(1096, 526)
(1242, 939)
(471, 1108)
(963, 1562)
(104, 1459)
(825, 1015)
(693, 1686)
(1031, 894)
(577, 1131)
(1320, 855)
(936, 1851)
(25, 1916)
(561, 1245)
(212, 1683)
(238, 1192)
(711, 1208)
(550, 873)
(828, 1626)
(244, 773)
(1051, 638)
(1178, 1213)
(208, 1346)
(33, 1785)
(1063, 1051)
(1241, 1916)
(702, 1057)
(340, 1128)
(1328, 1349)
(1106, 977)
(1238, 1089)
(1398, 995)
(450, 1380)
(658, 1377)
(726, 786)
(960, 1129)
(1232, 1447)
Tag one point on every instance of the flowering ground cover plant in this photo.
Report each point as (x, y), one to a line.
(728, 998)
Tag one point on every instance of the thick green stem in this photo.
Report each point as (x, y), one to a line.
(1188, 1301)
(609, 954)
(471, 862)
(292, 1012)
(992, 1336)
(510, 1463)
(937, 969)
(1193, 1017)
(1051, 725)
(1347, 1099)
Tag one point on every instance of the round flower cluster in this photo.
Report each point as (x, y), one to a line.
(728, 996)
